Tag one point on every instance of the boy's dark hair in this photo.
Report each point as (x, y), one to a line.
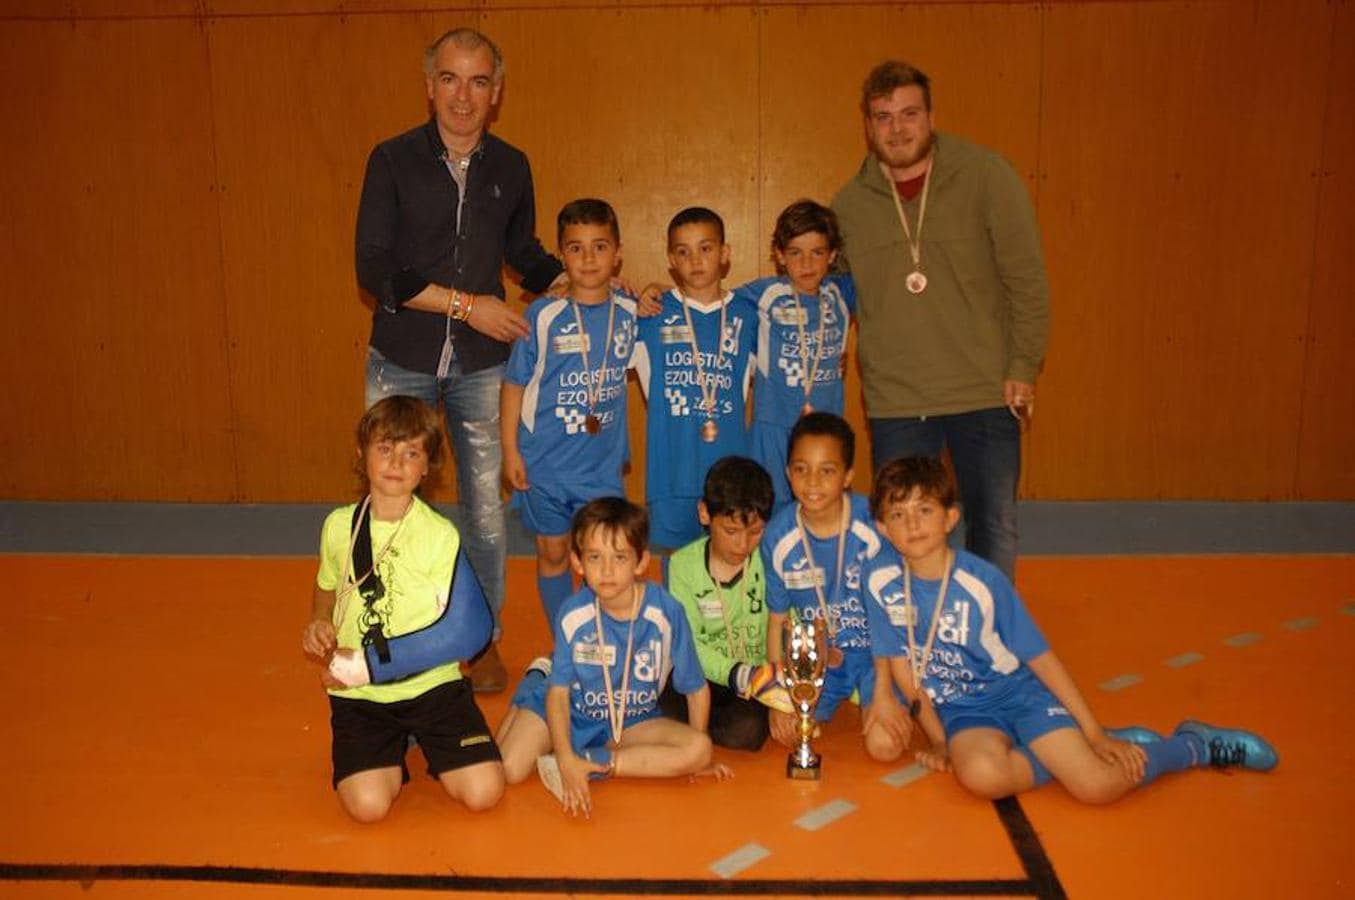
(737, 486)
(805, 217)
(888, 77)
(587, 211)
(614, 515)
(399, 418)
(898, 478)
(825, 423)
(697, 215)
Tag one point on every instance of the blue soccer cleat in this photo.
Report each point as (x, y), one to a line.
(1134, 734)
(1230, 747)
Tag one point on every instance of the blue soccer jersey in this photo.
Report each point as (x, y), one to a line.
(549, 364)
(662, 646)
(678, 456)
(983, 638)
(792, 577)
(784, 365)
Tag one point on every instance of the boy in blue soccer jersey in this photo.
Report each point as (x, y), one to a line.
(813, 550)
(694, 361)
(803, 315)
(617, 641)
(563, 402)
(995, 702)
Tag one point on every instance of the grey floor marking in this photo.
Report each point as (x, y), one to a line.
(825, 815)
(1302, 624)
(1120, 682)
(905, 776)
(1245, 639)
(1180, 661)
(740, 859)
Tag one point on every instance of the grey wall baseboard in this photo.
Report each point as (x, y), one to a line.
(1047, 528)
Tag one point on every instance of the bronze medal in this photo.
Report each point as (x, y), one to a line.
(710, 431)
(834, 657)
(592, 424)
(806, 409)
(916, 282)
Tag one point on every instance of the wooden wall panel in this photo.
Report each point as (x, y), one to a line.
(124, 9)
(112, 352)
(85, 9)
(201, 161)
(984, 64)
(1326, 455)
(299, 103)
(649, 137)
(1178, 202)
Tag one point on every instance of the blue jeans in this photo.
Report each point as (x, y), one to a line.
(470, 404)
(985, 448)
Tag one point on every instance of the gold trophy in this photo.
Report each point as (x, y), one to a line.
(803, 660)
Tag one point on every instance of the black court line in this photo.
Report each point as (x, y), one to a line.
(1040, 879)
(88, 875)
(1039, 868)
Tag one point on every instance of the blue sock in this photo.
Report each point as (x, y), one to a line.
(555, 590)
(1182, 751)
(1042, 775)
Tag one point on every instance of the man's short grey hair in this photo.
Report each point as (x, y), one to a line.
(466, 39)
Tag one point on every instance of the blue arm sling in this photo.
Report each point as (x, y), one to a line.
(461, 632)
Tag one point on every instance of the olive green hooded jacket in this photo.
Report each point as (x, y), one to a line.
(984, 316)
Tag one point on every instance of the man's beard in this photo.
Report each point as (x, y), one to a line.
(912, 159)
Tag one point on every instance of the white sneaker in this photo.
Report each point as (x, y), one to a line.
(548, 770)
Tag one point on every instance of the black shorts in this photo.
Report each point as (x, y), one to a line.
(449, 727)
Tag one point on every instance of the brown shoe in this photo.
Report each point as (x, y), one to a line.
(487, 674)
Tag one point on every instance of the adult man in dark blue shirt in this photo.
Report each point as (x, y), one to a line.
(443, 207)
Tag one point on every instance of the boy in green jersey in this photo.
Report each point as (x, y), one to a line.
(719, 581)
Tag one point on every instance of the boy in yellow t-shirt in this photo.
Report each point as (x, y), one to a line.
(385, 569)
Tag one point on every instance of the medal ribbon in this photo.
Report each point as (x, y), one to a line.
(708, 391)
(616, 710)
(914, 246)
(918, 662)
(594, 390)
(345, 589)
(804, 350)
(742, 651)
(841, 552)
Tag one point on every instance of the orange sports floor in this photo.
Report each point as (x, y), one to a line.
(165, 737)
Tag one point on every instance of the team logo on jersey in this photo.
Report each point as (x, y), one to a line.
(790, 313)
(794, 371)
(674, 330)
(802, 577)
(646, 666)
(901, 616)
(591, 654)
(624, 340)
(710, 606)
(679, 404)
(729, 341)
(575, 420)
(570, 340)
(954, 627)
(853, 576)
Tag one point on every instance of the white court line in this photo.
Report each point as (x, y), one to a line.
(1120, 682)
(740, 859)
(825, 815)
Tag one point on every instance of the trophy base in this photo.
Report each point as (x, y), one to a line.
(799, 769)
